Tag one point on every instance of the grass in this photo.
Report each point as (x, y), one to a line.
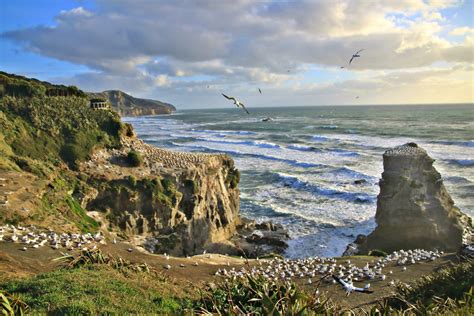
(85, 223)
(94, 290)
(441, 290)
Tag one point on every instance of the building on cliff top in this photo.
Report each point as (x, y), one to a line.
(99, 104)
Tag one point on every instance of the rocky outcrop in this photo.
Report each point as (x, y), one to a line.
(179, 203)
(414, 210)
(127, 105)
(259, 239)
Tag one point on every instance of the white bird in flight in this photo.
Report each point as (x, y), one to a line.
(349, 287)
(237, 103)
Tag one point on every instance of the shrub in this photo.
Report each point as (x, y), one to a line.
(134, 158)
(447, 291)
(132, 181)
(257, 296)
(12, 305)
(377, 253)
(233, 178)
(72, 154)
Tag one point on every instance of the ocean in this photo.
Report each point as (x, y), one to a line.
(299, 169)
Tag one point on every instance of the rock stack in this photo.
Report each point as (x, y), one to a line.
(414, 210)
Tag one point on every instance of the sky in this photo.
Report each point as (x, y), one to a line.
(189, 52)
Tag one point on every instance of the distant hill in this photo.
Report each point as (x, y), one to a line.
(127, 105)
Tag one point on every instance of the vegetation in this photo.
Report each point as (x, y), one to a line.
(43, 128)
(233, 178)
(10, 305)
(134, 158)
(92, 257)
(93, 290)
(449, 290)
(191, 185)
(261, 297)
(19, 86)
(377, 253)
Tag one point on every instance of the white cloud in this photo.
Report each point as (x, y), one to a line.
(147, 45)
(462, 30)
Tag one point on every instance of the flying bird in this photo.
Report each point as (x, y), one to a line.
(349, 287)
(259, 90)
(355, 56)
(237, 103)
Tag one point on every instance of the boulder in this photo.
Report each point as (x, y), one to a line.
(414, 209)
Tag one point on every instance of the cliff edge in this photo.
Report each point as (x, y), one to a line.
(414, 209)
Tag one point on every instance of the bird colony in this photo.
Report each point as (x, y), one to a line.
(31, 237)
(329, 270)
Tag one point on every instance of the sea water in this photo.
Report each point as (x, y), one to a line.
(299, 169)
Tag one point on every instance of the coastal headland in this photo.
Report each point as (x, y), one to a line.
(77, 184)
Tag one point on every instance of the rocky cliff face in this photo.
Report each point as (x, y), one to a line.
(414, 210)
(127, 105)
(180, 203)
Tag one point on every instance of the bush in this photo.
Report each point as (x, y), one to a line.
(256, 296)
(233, 178)
(72, 154)
(377, 253)
(132, 181)
(134, 158)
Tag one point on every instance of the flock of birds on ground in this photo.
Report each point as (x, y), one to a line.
(314, 269)
(310, 270)
(33, 238)
(239, 104)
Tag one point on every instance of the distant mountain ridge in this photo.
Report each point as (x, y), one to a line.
(127, 105)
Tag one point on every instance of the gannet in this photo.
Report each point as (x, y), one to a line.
(349, 287)
(355, 56)
(237, 103)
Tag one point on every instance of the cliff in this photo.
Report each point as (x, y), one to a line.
(127, 105)
(70, 168)
(414, 209)
(179, 203)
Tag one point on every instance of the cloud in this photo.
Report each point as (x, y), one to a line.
(462, 30)
(147, 45)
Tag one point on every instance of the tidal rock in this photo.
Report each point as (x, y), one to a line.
(414, 209)
(259, 239)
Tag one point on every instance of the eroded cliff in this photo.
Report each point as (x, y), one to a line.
(180, 203)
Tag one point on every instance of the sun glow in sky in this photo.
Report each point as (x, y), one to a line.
(188, 52)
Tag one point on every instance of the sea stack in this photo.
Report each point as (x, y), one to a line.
(414, 209)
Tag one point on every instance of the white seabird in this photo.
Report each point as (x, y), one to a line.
(236, 102)
(349, 287)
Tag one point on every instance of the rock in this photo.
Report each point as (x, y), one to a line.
(414, 210)
(360, 181)
(259, 239)
(467, 251)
